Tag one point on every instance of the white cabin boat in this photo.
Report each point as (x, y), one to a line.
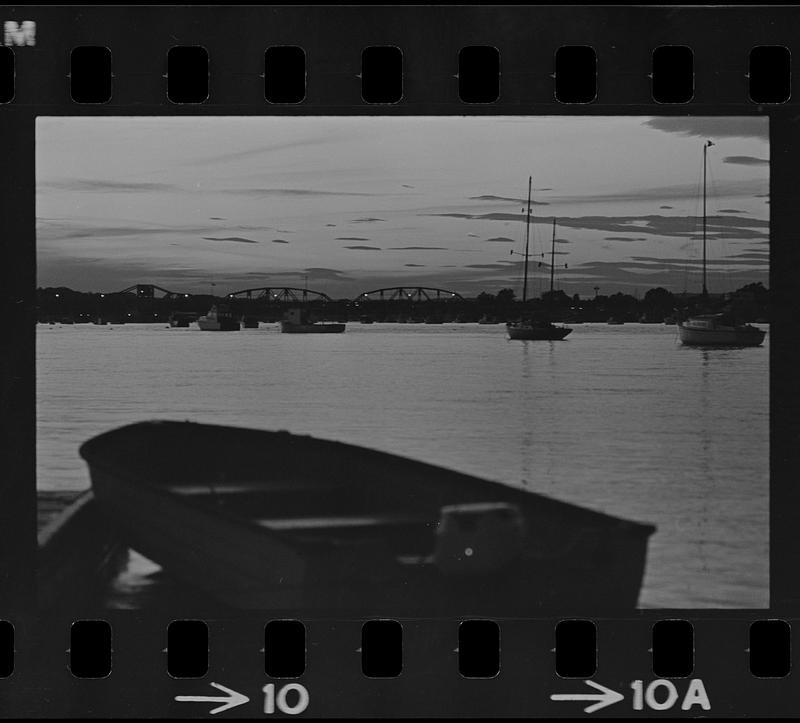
(219, 318)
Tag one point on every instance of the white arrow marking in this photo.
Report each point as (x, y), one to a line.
(604, 698)
(231, 700)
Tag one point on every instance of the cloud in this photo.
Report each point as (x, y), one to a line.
(681, 263)
(98, 186)
(473, 235)
(279, 241)
(682, 191)
(217, 218)
(418, 248)
(666, 206)
(507, 199)
(717, 127)
(323, 273)
(405, 185)
(330, 224)
(676, 226)
(238, 239)
(48, 230)
(351, 238)
(366, 220)
(731, 210)
(364, 248)
(259, 192)
(420, 266)
(624, 238)
(316, 273)
(746, 160)
(500, 239)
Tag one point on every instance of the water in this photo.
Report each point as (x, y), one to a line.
(621, 419)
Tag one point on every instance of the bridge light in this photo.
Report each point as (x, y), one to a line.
(186, 296)
(56, 296)
(102, 296)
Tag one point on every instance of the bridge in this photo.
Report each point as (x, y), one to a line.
(149, 291)
(407, 293)
(278, 294)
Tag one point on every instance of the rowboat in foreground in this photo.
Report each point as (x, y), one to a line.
(278, 521)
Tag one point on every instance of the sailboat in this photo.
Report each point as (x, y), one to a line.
(530, 328)
(720, 329)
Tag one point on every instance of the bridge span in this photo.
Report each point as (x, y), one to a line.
(280, 294)
(407, 293)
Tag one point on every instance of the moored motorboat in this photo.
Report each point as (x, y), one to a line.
(718, 330)
(278, 521)
(534, 330)
(299, 321)
(181, 319)
(219, 318)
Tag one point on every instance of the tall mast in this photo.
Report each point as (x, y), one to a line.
(705, 157)
(552, 258)
(527, 239)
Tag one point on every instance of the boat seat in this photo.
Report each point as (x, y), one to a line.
(328, 523)
(259, 486)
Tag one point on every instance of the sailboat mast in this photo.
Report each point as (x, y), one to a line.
(527, 239)
(705, 157)
(552, 257)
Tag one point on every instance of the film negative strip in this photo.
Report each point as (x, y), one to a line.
(506, 420)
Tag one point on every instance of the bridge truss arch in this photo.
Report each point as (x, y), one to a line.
(408, 293)
(278, 294)
(148, 291)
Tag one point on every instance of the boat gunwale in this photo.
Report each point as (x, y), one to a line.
(91, 452)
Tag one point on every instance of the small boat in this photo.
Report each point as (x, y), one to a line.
(615, 322)
(219, 318)
(536, 330)
(532, 329)
(250, 322)
(278, 521)
(366, 320)
(180, 319)
(299, 321)
(486, 319)
(719, 329)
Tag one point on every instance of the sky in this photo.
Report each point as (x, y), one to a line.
(346, 205)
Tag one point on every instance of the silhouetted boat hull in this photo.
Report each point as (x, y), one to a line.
(713, 330)
(299, 321)
(537, 333)
(274, 521)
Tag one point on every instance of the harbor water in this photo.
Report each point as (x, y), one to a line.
(620, 419)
